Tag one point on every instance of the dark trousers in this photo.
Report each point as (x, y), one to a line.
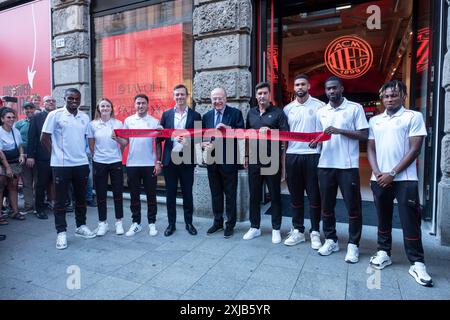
(63, 177)
(221, 182)
(348, 182)
(407, 195)
(102, 172)
(44, 177)
(185, 174)
(136, 177)
(255, 184)
(301, 175)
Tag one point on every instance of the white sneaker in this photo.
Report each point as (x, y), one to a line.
(134, 228)
(419, 272)
(328, 247)
(84, 232)
(119, 228)
(252, 233)
(315, 240)
(352, 255)
(295, 237)
(61, 241)
(102, 228)
(380, 260)
(276, 236)
(152, 230)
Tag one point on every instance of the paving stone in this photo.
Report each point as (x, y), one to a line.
(321, 286)
(360, 290)
(214, 287)
(60, 283)
(253, 291)
(109, 288)
(275, 277)
(176, 279)
(148, 292)
(39, 293)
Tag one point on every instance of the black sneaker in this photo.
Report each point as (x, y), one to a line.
(41, 215)
(91, 203)
(214, 228)
(228, 232)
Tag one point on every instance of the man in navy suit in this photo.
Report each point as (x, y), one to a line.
(223, 173)
(178, 159)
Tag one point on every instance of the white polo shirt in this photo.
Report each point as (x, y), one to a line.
(106, 150)
(391, 135)
(303, 118)
(341, 152)
(7, 139)
(141, 152)
(68, 137)
(179, 122)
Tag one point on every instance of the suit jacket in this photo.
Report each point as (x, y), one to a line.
(231, 117)
(35, 149)
(167, 121)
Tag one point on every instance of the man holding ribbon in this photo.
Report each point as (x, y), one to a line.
(142, 167)
(178, 159)
(263, 158)
(222, 174)
(339, 166)
(301, 164)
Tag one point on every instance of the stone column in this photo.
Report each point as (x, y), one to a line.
(444, 184)
(222, 50)
(71, 49)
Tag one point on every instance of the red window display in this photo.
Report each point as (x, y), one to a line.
(154, 68)
(25, 51)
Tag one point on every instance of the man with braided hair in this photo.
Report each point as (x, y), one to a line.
(395, 140)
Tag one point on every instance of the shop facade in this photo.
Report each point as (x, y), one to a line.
(120, 48)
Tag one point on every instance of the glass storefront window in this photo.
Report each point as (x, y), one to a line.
(145, 50)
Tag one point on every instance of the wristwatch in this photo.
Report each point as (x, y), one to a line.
(393, 173)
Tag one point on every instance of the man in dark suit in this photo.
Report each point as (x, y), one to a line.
(39, 156)
(178, 159)
(223, 172)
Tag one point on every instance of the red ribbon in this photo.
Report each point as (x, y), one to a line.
(227, 133)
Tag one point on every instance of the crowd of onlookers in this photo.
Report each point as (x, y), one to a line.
(25, 170)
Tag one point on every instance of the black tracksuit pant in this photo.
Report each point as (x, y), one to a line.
(407, 195)
(301, 175)
(63, 178)
(348, 182)
(136, 177)
(103, 171)
(255, 184)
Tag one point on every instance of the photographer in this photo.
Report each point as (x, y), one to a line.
(12, 159)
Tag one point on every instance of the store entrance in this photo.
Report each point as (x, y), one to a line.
(365, 43)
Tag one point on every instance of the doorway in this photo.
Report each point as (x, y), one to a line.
(366, 43)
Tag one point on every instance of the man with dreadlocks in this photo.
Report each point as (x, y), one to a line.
(395, 140)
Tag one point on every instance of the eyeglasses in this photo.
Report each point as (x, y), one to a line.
(50, 100)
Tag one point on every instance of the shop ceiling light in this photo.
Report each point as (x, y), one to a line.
(348, 6)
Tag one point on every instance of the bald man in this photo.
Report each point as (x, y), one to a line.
(223, 172)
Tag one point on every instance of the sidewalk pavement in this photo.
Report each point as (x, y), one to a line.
(202, 267)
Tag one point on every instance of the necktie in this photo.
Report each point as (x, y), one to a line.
(218, 118)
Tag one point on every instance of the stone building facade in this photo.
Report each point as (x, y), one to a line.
(444, 184)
